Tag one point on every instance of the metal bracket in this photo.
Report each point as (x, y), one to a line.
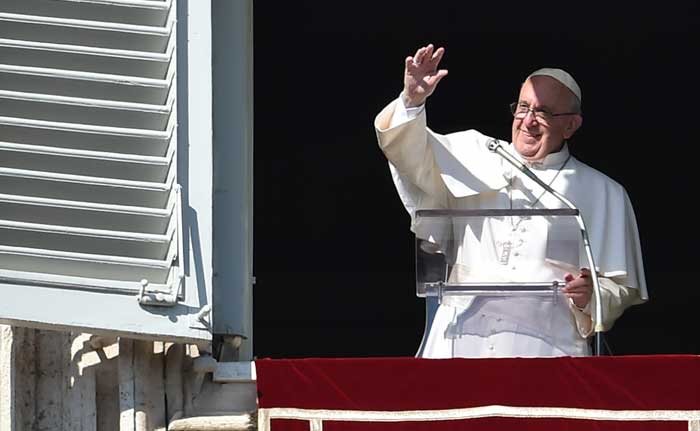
(201, 320)
(155, 298)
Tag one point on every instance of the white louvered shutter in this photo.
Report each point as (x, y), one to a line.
(90, 207)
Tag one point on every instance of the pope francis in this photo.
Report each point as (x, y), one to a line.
(457, 171)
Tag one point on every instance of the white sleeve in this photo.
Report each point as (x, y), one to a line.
(403, 114)
(615, 299)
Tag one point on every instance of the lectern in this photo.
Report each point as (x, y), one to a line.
(503, 269)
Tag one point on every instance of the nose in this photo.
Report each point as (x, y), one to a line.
(530, 118)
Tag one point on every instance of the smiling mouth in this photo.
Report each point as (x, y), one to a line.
(535, 136)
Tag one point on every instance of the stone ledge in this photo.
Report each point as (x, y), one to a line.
(238, 422)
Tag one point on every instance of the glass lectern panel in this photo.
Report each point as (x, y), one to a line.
(501, 270)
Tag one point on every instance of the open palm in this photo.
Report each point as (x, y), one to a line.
(421, 75)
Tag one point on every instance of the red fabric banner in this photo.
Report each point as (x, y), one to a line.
(604, 388)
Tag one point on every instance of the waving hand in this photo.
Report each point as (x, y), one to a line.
(422, 75)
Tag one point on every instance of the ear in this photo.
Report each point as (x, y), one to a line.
(572, 126)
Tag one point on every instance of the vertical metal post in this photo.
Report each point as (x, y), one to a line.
(232, 68)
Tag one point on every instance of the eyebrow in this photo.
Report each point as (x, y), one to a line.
(539, 108)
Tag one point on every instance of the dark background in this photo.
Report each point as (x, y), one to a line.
(333, 252)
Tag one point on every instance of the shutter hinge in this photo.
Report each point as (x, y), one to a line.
(156, 298)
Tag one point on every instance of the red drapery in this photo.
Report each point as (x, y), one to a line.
(535, 387)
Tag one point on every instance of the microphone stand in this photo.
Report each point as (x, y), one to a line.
(494, 146)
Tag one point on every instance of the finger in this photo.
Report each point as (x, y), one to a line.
(433, 81)
(577, 297)
(570, 289)
(418, 58)
(571, 281)
(409, 63)
(412, 64)
(428, 53)
(585, 272)
(576, 289)
(579, 282)
(437, 56)
(586, 293)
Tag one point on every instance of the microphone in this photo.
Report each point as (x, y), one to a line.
(495, 147)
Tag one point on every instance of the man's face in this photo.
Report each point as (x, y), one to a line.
(534, 138)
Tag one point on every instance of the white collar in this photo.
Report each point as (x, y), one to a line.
(550, 161)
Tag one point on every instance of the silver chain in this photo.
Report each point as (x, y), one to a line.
(510, 192)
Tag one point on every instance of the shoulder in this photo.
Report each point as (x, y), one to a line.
(596, 181)
(470, 144)
(470, 139)
(469, 135)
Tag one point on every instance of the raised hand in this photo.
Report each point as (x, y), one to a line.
(421, 75)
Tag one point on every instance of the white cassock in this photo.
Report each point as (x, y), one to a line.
(457, 171)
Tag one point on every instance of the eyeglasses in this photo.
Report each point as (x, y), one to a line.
(521, 109)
